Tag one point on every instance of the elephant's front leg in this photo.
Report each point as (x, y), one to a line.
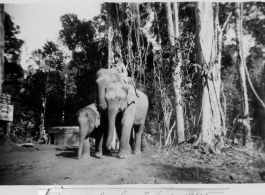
(138, 136)
(125, 148)
(132, 139)
(86, 149)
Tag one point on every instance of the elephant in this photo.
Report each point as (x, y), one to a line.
(125, 110)
(92, 123)
(103, 77)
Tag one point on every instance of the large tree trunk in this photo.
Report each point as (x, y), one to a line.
(242, 76)
(2, 45)
(208, 104)
(114, 38)
(2, 52)
(177, 79)
(219, 31)
(170, 25)
(110, 34)
(262, 112)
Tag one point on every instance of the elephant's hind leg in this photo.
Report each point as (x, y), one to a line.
(86, 149)
(84, 145)
(105, 150)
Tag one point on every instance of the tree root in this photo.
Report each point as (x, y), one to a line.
(189, 141)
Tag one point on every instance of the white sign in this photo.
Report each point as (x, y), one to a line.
(6, 112)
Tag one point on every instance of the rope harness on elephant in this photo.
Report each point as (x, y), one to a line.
(130, 81)
(121, 69)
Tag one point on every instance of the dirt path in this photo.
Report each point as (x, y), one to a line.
(44, 165)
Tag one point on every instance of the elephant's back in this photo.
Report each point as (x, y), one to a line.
(104, 71)
(142, 95)
(109, 75)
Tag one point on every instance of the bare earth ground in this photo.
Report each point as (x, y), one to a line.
(46, 165)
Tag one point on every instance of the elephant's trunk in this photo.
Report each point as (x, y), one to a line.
(102, 102)
(112, 113)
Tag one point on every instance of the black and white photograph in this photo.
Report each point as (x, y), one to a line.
(125, 93)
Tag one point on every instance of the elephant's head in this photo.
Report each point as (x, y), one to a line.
(104, 77)
(118, 97)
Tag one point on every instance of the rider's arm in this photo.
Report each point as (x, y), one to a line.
(124, 70)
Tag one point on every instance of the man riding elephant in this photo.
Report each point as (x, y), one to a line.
(120, 67)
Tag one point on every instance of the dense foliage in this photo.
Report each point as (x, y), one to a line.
(148, 56)
(13, 72)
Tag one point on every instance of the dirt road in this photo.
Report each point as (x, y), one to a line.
(46, 165)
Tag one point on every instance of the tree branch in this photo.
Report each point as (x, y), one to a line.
(226, 22)
(169, 133)
(252, 87)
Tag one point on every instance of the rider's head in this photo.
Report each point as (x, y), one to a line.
(116, 57)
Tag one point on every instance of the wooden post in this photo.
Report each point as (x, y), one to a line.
(8, 129)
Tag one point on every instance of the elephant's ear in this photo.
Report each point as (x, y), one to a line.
(97, 119)
(129, 93)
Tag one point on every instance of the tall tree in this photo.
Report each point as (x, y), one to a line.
(253, 26)
(114, 31)
(242, 74)
(219, 32)
(208, 119)
(110, 34)
(13, 72)
(87, 49)
(44, 88)
(173, 33)
(2, 45)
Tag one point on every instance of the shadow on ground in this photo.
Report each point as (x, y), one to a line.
(196, 174)
(68, 152)
(178, 174)
(73, 152)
